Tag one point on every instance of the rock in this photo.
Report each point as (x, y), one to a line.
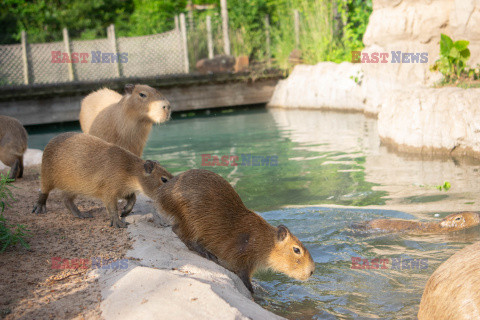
(429, 120)
(218, 64)
(326, 85)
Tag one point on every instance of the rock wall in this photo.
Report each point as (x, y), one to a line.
(412, 116)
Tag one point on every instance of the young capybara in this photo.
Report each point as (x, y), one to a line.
(452, 292)
(124, 120)
(210, 218)
(13, 144)
(81, 164)
(452, 222)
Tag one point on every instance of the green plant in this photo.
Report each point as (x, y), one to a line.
(453, 58)
(10, 235)
(446, 186)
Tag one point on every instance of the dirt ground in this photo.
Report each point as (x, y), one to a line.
(31, 287)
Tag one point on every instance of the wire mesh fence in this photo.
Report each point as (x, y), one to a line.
(92, 60)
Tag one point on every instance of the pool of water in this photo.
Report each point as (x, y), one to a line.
(293, 163)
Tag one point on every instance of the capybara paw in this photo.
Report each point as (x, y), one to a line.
(125, 212)
(118, 224)
(39, 209)
(86, 215)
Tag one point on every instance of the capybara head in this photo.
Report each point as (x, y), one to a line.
(155, 175)
(147, 102)
(290, 256)
(462, 220)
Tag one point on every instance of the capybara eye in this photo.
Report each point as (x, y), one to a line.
(296, 250)
(164, 180)
(143, 95)
(457, 219)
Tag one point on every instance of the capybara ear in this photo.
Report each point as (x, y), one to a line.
(282, 232)
(129, 88)
(149, 165)
(164, 180)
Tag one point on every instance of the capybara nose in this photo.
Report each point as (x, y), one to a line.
(311, 272)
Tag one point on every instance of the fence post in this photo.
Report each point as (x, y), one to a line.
(66, 41)
(209, 37)
(24, 57)
(113, 43)
(296, 16)
(183, 29)
(226, 39)
(176, 23)
(267, 36)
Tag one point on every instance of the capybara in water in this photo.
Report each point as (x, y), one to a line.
(124, 120)
(453, 290)
(452, 222)
(13, 144)
(81, 164)
(210, 218)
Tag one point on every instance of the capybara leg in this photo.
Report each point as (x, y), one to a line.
(131, 199)
(245, 277)
(41, 207)
(20, 168)
(68, 201)
(14, 170)
(195, 246)
(114, 219)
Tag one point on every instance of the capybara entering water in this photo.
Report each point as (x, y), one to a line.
(210, 218)
(124, 120)
(81, 164)
(452, 222)
(13, 144)
(452, 292)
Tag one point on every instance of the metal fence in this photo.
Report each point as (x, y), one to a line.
(100, 59)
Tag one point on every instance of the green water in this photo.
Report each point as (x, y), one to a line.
(312, 158)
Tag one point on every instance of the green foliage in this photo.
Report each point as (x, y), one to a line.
(10, 235)
(453, 58)
(329, 30)
(445, 187)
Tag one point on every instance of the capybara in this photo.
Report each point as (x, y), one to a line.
(81, 164)
(453, 290)
(124, 120)
(218, 64)
(13, 144)
(210, 218)
(452, 222)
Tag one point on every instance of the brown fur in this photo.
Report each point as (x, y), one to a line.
(210, 217)
(452, 222)
(217, 64)
(13, 144)
(124, 120)
(241, 64)
(81, 164)
(452, 292)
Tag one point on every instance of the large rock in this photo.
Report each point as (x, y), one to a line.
(326, 85)
(432, 120)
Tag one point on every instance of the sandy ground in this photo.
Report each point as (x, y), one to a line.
(30, 288)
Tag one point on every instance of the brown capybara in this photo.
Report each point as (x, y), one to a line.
(218, 64)
(210, 218)
(81, 164)
(124, 120)
(453, 290)
(452, 222)
(13, 144)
